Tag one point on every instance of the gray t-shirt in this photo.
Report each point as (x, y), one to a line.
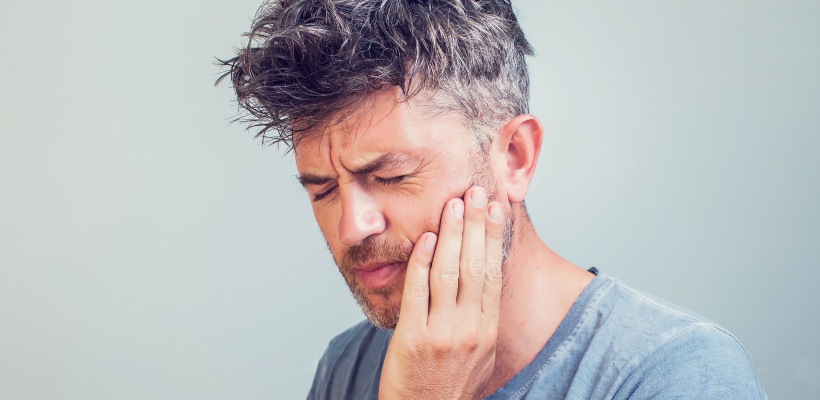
(615, 343)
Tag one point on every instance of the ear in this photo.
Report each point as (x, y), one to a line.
(519, 145)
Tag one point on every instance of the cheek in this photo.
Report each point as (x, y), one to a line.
(410, 218)
(327, 219)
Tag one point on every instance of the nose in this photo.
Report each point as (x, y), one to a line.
(361, 217)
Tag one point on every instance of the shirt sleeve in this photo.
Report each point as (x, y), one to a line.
(702, 362)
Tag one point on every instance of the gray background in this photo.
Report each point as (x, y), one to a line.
(151, 250)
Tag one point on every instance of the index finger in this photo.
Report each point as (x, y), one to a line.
(416, 294)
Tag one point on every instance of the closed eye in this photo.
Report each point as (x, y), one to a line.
(325, 193)
(390, 181)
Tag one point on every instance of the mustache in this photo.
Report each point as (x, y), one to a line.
(372, 250)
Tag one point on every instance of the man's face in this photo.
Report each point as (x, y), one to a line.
(380, 179)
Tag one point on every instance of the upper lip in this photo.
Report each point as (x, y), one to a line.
(374, 265)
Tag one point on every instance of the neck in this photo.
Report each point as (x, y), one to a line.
(539, 290)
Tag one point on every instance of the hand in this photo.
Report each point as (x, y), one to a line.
(444, 343)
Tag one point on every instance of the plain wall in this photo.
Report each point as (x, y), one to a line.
(149, 249)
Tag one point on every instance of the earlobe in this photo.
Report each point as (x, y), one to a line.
(521, 141)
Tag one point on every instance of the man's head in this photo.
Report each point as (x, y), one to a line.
(306, 60)
(393, 108)
(380, 179)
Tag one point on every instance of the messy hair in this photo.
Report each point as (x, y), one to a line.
(308, 60)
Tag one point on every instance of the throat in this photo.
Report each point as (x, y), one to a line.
(545, 291)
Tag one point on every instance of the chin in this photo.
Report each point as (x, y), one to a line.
(380, 306)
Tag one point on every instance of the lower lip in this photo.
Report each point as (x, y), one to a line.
(379, 277)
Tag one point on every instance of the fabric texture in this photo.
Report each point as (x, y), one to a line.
(615, 343)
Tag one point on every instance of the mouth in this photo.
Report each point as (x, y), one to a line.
(378, 275)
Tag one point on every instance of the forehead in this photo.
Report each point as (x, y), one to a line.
(382, 123)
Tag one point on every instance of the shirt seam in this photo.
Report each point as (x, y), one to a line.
(569, 340)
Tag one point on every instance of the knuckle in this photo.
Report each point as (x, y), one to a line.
(470, 342)
(420, 263)
(448, 274)
(442, 347)
(418, 290)
(494, 270)
(476, 265)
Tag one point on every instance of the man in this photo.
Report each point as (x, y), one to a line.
(410, 127)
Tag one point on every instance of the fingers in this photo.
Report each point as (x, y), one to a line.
(444, 272)
(451, 342)
(416, 295)
(491, 296)
(473, 258)
(466, 266)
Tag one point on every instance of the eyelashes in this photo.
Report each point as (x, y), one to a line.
(377, 180)
(323, 194)
(390, 181)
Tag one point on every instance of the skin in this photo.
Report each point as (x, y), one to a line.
(459, 335)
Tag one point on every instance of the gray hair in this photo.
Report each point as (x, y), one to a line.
(307, 60)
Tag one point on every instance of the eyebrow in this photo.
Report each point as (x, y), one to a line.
(390, 159)
(310, 179)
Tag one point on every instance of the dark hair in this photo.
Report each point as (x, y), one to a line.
(307, 60)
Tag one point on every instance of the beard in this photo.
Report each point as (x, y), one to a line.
(381, 306)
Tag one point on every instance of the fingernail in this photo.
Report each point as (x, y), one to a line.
(458, 209)
(479, 198)
(430, 243)
(496, 214)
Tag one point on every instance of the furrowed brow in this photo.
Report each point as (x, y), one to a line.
(388, 160)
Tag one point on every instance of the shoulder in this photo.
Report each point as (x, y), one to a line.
(703, 361)
(353, 341)
(672, 352)
(635, 318)
(351, 364)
